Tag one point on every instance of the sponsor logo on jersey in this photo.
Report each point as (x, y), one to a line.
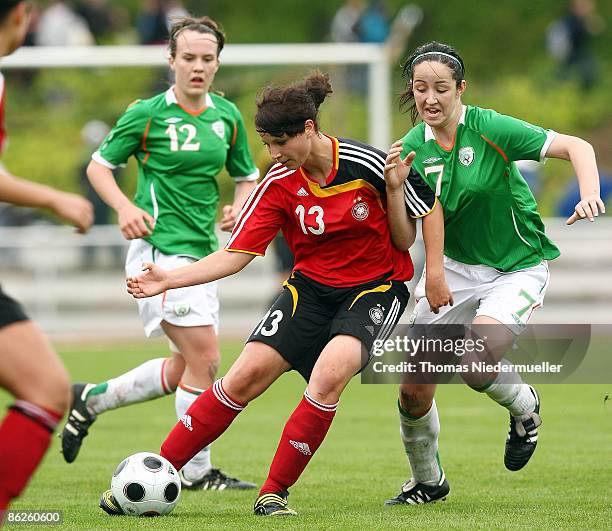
(181, 309)
(218, 128)
(301, 446)
(173, 120)
(302, 192)
(360, 211)
(466, 155)
(431, 160)
(186, 420)
(377, 314)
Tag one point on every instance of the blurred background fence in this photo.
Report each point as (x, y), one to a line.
(74, 285)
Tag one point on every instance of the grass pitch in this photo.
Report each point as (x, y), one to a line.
(361, 463)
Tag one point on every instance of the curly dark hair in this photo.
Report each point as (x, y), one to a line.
(284, 109)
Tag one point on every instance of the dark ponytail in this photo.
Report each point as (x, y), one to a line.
(284, 109)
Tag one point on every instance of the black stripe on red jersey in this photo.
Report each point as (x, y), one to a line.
(419, 197)
(362, 161)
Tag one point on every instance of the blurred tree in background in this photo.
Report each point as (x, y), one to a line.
(503, 44)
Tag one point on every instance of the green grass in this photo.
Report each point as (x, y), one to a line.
(566, 485)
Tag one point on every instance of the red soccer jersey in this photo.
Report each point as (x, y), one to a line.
(2, 130)
(337, 232)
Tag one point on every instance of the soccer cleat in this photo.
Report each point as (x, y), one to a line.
(214, 480)
(522, 437)
(273, 504)
(77, 425)
(108, 503)
(414, 493)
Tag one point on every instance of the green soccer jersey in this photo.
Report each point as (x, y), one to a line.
(179, 154)
(490, 214)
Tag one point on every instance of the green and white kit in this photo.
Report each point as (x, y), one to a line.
(180, 154)
(494, 237)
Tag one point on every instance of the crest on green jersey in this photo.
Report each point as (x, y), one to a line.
(466, 155)
(218, 128)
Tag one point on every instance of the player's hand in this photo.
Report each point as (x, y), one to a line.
(588, 207)
(134, 222)
(396, 168)
(152, 282)
(229, 219)
(75, 209)
(437, 292)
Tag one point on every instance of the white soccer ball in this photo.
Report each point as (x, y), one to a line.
(146, 484)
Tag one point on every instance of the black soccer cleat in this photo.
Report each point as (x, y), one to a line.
(77, 425)
(108, 503)
(214, 480)
(273, 504)
(414, 493)
(522, 437)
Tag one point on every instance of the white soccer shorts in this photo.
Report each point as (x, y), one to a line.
(190, 306)
(510, 298)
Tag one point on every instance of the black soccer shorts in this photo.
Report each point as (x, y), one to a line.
(10, 310)
(307, 315)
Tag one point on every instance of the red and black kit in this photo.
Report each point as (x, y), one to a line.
(348, 278)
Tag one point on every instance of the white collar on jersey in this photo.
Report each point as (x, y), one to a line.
(171, 98)
(429, 134)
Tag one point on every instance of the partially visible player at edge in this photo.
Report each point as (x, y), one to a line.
(347, 289)
(29, 368)
(495, 248)
(181, 140)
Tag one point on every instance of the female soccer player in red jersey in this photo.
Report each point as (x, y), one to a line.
(347, 289)
(29, 368)
(496, 251)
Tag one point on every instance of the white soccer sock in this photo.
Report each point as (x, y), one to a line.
(509, 390)
(420, 438)
(145, 382)
(200, 463)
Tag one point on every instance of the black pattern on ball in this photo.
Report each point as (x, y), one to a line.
(171, 492)
(134, 492)
(120, 467)
(152, 463)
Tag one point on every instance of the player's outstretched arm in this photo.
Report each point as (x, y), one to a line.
(71, 207)
(133, 221)
(401, 226)
(436, 289)
(582, 156)
(156, 280)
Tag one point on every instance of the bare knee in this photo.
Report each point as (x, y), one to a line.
(325, 390)
(51, 390)
(242, 382)
(416, 400)
(60, 394)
